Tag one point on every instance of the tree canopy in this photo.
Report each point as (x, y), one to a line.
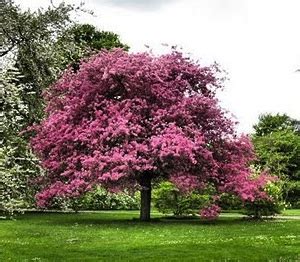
(125, 120)
(42, 43)
(269, 123)
(277, 145)
(17, 163)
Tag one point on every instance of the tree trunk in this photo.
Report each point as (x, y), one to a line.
(145, 184)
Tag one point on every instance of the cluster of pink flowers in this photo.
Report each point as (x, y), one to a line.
(185, 182)
(210, 212)
(122, 116)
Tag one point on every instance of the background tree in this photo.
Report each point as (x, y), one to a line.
(268, 123)
(28, 39)
(43, 43)
(277, 144)
(83, 40)
(127, 120)
(17, 164)
(35, 48)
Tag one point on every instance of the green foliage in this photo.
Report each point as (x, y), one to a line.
(230, 202)
(260, 208)
(101, 199)
(83, 40)
(291, 192)
(42, 44)
(28, 39)
(279, 152)
(13, 108)
(269, 123)
(277, 145)
(168, 199)
(17, 167)
(17, 163)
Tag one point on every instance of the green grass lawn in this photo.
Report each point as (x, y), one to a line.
(291, 212)
(119, 236)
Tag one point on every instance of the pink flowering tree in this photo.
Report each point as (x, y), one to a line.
(127, 120)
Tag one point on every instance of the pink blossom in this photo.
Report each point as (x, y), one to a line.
(210, 212)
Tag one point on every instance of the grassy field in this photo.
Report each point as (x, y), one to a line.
(119, 236)
(291, 212)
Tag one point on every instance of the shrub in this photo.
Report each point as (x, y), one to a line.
(168, 199)
(291, 192)
(101, 199)
(267, 207)
(230, 202)
(210, 212)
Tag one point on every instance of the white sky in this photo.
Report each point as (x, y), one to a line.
(256, 41)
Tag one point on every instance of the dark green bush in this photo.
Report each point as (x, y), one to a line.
(168, 199)
(260, 208)
(291, 192)
(230, 202)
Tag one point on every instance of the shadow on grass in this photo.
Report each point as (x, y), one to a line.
(124, 220)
